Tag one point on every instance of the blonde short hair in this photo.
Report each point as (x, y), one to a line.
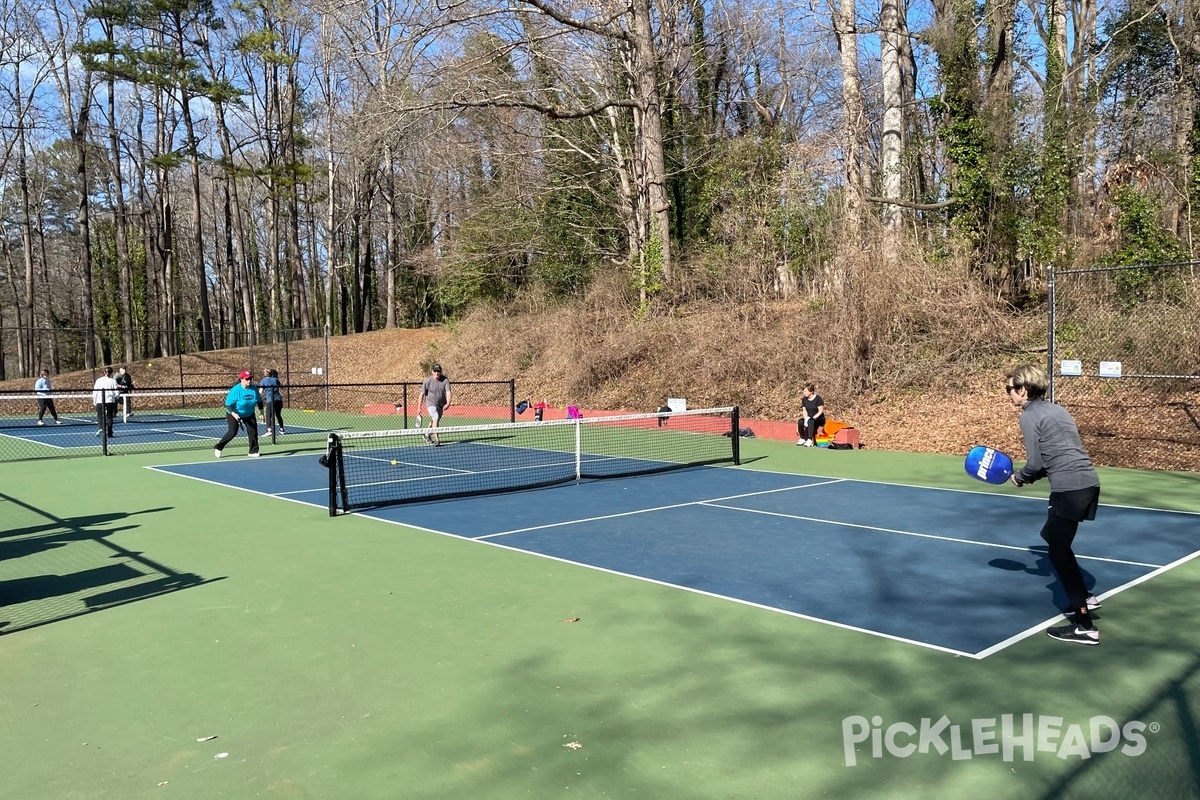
(1033, 379)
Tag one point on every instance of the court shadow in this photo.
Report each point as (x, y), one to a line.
(42, 587)
(1043, 568)
(55, 538)
(1008, 564)
(77, 523)
(71, 566)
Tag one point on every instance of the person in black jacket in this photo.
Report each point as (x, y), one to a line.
(812, 416)
(125, 384)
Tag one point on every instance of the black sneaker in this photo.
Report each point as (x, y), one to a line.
(1074, 633)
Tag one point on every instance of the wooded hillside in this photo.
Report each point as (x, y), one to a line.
(875, 199)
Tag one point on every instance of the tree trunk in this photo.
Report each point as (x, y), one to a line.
(25, 334)
(164, 239)
(79, 139)
(206, 326)
(891, 144)
(1185, 126)
(393, 239)
(854, 134)
(645, 64)
(121, 222)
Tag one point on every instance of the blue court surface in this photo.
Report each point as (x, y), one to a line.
(958, 571)
(81, 431)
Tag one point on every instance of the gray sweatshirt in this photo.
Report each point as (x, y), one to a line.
(1053, 448)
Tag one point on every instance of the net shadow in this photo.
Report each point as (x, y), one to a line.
(53, 568)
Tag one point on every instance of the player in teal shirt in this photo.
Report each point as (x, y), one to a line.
(240, 404)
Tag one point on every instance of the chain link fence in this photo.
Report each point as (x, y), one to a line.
(154, 420)
(1124, 357)
(163, 359)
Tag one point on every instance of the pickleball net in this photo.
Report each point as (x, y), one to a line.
(379, 468)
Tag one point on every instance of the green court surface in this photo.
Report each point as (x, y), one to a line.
(169, 638)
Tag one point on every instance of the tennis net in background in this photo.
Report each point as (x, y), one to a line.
(379, 468)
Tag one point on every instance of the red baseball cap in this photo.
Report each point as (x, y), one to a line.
(245, 375)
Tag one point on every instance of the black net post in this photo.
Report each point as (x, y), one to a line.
(512, 400)
(330, 462)
(735, 421)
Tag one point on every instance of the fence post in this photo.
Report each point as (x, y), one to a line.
(1050, 343)
(512, 400)
(287, 366)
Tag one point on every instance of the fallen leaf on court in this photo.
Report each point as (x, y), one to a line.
(573, 745)
(221, 755)
(571, 619)
(206, 738)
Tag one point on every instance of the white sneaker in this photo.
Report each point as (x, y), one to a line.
(216, 453)
(253, 455)
(808, 442)
(40, 422)
(1092, 601)
(58, 422)
(268, 431)
(800, 443)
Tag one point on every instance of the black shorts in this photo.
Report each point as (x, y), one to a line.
(1075, 505)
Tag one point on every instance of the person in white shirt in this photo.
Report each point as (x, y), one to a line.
(41, 388)
(104, 395)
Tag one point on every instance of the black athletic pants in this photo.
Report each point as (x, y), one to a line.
(46, 404)
(809, 431)
(105, 413)
(273, 414)
(235, 422)
(1067, 510)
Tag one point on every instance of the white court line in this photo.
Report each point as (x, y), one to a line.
(714, 595)
(1025, 497)
(27, 440)
(162, 469)
(924, 535)
(656, 508)
(1039, 628)
(713, 502)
